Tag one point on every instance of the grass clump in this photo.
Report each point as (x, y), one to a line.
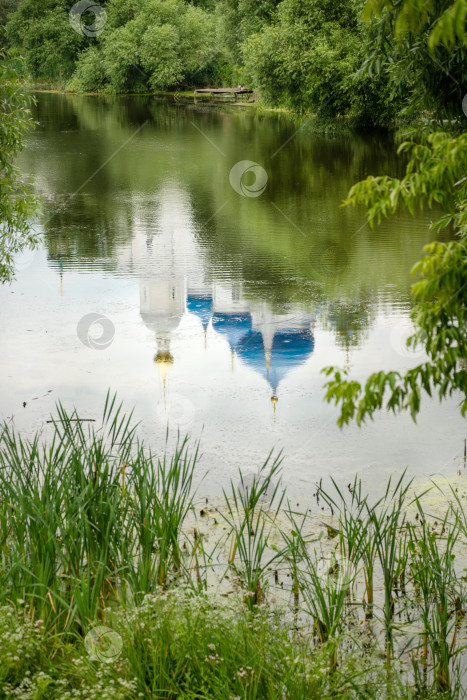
(89, 519)
(179, 645)
(107, 589)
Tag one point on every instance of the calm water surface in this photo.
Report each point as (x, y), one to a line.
(218, 295)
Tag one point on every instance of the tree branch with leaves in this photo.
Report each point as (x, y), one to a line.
(435, 174)
(17, 202)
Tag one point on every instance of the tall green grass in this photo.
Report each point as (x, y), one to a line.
(90, 519)
(250, 526)
(95, 529)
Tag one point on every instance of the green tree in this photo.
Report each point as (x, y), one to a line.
(308, 59)
(17, 204)
(418, 46)
(6, 8)
(435, 174)
(242, 18)
(42, 32)
(150, 45)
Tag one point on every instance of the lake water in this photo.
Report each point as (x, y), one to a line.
(196, 260)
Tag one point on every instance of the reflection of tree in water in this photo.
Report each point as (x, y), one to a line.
(313, 261)
(265, 271)
(349, 320)
(78, 232)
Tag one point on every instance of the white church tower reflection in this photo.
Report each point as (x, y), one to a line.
(170, 264)
(160, 247)
(162, 305)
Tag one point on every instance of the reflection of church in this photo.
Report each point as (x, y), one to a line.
(269, 343)
(162, 306)
(171, 272)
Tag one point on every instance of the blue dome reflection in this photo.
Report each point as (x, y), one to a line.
(290, 348)
(201, 306)
(234, 326)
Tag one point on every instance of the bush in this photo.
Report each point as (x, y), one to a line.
(159, 45)
(90, 72)
(309, 58)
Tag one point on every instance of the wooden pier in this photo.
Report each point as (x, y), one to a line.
(236, 92)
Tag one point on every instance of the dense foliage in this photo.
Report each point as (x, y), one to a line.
(43, 34)
(141, 46)
(435, 174)
(149, 46)
(6, 8)
(17, 203)
(419, 46)
(178, 646)
(301, 55)
(308, 55)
